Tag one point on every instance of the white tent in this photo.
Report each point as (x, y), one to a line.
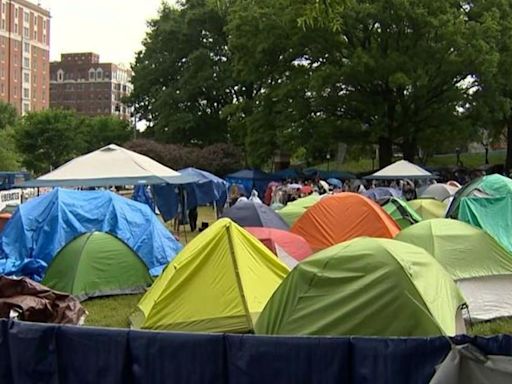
(441, 192)
(110, 165)
(401, 169)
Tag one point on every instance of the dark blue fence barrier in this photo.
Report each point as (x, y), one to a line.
(34, 353)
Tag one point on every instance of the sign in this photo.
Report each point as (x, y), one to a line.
(10, 197)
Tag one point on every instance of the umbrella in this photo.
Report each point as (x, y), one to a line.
(335, 182)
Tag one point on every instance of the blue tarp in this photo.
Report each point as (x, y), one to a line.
(42, 226)
(142, 194)
(48, 354)
(207, 189)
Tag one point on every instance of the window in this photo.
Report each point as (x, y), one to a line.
(3, 24)
(2, 88)
(60, 75)
(26, 17)
(26, 32)
(35, 35)
(26, 93)
(26, 77)
(16, 12)
(92, 74)
(99, 74)
(44, 25)
(15, 76)
(16, 28)
(44, 38)
(26, 108)
(3, 8)
(26, 47)
(26, 62)
(15, 92)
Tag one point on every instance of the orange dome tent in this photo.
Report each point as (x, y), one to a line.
(342, 217)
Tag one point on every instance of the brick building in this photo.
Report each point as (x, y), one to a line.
(80, 82)
(24, 55)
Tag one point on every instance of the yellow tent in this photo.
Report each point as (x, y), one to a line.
(219, 282)
(429, 208)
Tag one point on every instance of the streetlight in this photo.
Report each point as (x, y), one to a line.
(328, 157)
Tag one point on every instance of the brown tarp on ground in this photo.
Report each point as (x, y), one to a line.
(37, 303)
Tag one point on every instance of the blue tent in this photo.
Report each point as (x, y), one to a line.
(251, 179)
(42, 226)
(207, 189)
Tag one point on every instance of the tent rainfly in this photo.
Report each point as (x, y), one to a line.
(401, 169)
(107, 166)
(481, 267)
(220, 282)
(365, 287)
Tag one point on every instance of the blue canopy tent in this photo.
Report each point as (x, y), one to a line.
(206, 189)
(42, 226)
(335, 182)
(251, 179)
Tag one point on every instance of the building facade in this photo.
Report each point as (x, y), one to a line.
(24, 55)
(81, 83)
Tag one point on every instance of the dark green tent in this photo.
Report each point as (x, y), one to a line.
(97, 264)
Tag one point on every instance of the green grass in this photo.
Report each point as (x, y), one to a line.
(110, 312)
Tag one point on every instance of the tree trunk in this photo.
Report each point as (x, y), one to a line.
(508, 160)
(410, 149)
(385, 151)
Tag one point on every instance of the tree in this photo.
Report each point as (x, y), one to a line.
(47, 139)
(492, 104)
(182, 77)
(9, 157)
(8, 115)
(100, 131)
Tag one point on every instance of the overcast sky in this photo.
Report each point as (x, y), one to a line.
(112, 28)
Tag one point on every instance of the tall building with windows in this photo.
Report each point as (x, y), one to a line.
(24, 55)
(80, 82)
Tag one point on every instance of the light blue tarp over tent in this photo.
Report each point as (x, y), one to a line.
(42, 226)
(206, 189)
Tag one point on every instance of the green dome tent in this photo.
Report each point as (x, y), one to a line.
(487, 186)
(367, 287)
(97, 264)
(294, 210)
(479, 264)
(400, 211)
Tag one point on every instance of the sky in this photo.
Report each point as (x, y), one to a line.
(112, 28)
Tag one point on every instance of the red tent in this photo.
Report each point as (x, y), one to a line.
(277, 240)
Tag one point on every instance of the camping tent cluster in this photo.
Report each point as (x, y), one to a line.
(343, 264)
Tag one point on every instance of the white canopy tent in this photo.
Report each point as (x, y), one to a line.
(108, 166)
(401, 169)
